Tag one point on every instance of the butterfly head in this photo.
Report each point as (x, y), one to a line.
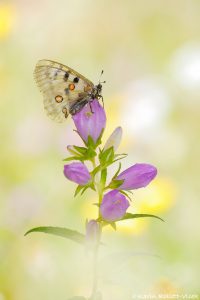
(98, 88)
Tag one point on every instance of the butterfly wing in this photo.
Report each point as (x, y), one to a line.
(61, 86)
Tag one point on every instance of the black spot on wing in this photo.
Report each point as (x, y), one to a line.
(76, 80)
(66, 76)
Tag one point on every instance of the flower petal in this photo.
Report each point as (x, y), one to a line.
(114, 139)
(90, 123)
(113, 206)
(137, 176)
(77, 172)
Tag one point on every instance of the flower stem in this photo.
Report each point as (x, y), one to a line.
(96, 248)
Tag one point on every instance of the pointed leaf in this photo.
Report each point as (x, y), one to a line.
(134, 216)
(60, 231)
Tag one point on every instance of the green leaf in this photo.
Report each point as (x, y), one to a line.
(60, 231)
(134, 216)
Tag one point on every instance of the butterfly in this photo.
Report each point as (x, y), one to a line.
(64, 90)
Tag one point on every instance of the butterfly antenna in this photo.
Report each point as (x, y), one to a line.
(101, 76)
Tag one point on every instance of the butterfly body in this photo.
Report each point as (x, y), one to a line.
(65, 91)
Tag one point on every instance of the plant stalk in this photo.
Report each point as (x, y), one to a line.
(96, 248)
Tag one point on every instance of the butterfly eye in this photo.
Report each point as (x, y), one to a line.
(71, 86)
(59, 98)
(99, 86)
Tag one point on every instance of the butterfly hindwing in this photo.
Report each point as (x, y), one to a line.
(61, 86)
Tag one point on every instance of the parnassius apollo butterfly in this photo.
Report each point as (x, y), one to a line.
(65, 91)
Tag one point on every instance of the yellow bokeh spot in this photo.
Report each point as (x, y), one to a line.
(158, 197)
(7, 19)
(135, 227)
(89, 210)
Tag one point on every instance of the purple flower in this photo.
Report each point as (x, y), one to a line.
(113, 206)
(114, 139)
(92, 232)
(90, 123)
(137, 176)
(77, 172)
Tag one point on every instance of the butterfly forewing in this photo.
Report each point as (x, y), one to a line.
(61, 86)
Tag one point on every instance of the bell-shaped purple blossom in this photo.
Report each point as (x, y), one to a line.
(113, 206)
(137, 176)
(90, 121)
(114, 139)
(92, 232)
(77, 172)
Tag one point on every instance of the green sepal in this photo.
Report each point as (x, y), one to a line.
(98, 142)
(113, 225)
(106, 223)
(78, 190)
(82, 188)
(90, 154)
(115, 184)
(121, 154)
(60, 231)
(81, 150)
(119, 157)
(72, 151)
(126, 194)
(128, 216)
(73, 158)
(106, 157)
(118, 170)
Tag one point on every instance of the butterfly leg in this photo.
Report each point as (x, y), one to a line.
(102, 101)
(77, 106)
(90, 107)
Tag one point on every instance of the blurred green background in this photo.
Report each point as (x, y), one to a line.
(150, 53)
